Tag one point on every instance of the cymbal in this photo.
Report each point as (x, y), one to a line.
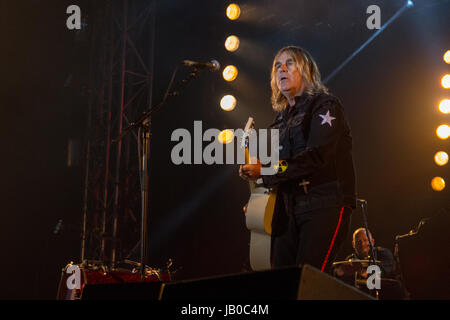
(364, 263)
(351, 266)
(384, 282)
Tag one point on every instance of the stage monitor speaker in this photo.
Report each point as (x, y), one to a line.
(122, 291)
(295, 283)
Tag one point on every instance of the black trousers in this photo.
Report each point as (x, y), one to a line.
(313, 238)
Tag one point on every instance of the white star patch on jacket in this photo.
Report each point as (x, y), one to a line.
(326, 118)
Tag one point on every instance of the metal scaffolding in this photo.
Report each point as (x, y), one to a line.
(122, 35)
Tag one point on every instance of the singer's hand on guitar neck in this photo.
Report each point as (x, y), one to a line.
(250, 171)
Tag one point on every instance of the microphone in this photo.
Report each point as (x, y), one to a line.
(214, 65)
(421, 224)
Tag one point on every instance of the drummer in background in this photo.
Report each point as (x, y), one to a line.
(361, 247)
(392, 288)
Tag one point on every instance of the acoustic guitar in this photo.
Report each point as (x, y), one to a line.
(259, 212)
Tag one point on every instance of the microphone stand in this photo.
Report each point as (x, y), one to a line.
(143, 123)
(398, 267)
(372, 253)
(413, 232)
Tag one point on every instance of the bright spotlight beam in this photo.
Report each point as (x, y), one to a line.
(232, 43)
(407, 5)
(445, 81)
(230, 73)
(438, 184)
(444, 106)
(233, 11)
(441, 158)
(447, 57)
(228, 102)
(443, 131)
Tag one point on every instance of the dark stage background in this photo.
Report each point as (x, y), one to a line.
(390, 92)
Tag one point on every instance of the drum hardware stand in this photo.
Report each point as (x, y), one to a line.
(363, 204)
(413, 232)
(143, 123)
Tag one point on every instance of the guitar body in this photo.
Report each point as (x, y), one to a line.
(259, 214)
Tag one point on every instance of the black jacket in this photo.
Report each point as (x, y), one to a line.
(316, 144)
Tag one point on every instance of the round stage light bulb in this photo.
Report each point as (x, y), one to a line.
(447, 57)
(226, 136)
(228, 102)
(233, 11)
(446, 81)
(444, 106)
(232, 43)
(230, 73)
(438, 184)
(441, 158)
(443, 131)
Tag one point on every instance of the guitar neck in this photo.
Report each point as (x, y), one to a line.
(250, 125)
(247, 156)
(251, 183)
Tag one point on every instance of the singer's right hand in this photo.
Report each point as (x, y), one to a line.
(250, 171)
(242, 175)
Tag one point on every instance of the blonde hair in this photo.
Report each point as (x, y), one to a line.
(311, 81)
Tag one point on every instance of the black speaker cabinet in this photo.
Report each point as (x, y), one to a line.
(296, 283)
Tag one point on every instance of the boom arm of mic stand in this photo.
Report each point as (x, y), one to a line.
(412, 232)
(148, 113)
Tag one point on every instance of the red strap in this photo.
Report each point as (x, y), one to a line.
(332, 241)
